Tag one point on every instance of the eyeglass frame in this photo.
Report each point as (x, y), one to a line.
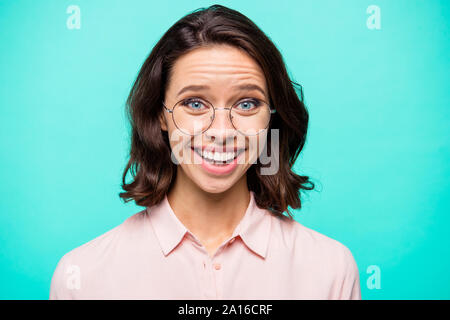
(272, 111)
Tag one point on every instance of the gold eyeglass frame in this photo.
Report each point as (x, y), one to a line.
(272, 111)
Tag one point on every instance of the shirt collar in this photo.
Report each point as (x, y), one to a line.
(254, 227)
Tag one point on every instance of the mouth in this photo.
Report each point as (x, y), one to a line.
(218, 158)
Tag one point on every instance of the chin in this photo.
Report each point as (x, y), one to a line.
(215, 190)
(210, 183)
(214, 185)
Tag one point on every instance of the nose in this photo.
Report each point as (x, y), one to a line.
(221, 127)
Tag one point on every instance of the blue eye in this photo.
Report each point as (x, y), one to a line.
(193, 104)
(247, 104)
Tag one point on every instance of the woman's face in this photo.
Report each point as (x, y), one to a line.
(221, 69)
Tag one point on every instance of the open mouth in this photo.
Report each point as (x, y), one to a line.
(218, 158)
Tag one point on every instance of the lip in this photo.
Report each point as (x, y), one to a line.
(218, 170)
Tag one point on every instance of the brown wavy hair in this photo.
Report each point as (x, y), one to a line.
(150, 163)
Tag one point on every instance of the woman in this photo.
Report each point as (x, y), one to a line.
(211, 101)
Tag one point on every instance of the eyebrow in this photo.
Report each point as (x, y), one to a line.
(242, 87)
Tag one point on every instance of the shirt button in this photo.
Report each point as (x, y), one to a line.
(217, 266)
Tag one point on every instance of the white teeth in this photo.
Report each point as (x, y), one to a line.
(218, 156)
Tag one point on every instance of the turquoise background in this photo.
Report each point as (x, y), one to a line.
(378, 145)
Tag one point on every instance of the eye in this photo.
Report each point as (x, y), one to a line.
(193, 104)
(249, 104)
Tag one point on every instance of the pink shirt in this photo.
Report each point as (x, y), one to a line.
(152, 255)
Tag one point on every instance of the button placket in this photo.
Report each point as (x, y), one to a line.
(217, 266)
(218, 273)
(207, 276)
(209, 290)
(212, 270)
(213, 276)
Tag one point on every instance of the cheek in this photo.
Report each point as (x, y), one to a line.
(180, 147)
(256, 147)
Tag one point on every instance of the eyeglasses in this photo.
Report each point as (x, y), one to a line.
(193, 116)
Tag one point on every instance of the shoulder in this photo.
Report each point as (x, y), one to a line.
(323, 262)
(306, 243)
(95, 252)
(126, 231)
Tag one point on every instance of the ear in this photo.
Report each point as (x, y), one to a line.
(162, 121)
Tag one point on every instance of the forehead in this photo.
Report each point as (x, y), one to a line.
(219, 67)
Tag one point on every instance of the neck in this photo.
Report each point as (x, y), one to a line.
(211, 217)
